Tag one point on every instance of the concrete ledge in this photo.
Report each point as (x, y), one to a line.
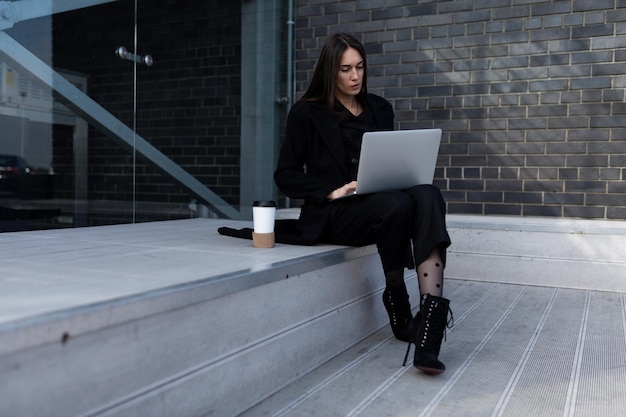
(582, 254)
(164, 318)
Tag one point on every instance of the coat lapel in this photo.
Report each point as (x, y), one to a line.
(327, 127)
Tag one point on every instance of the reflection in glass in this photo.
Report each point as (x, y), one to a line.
(126, 142)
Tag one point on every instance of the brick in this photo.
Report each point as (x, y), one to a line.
(549, 34)
(509, 37)
(422, 10)
(571, 71)
(487, 52)
(617, 160)
(589, 109)
(523, 198)
(509, 136)
(616, 213)
(509, 62)
(564, 199)
(587, 5)
(542, 211)
(525, 148)
(528, 173)
(584, 212)
(494, 27)
(472, 113)
(471, 173)
(467, 185)
(585, 186)
(491, 173)
(546, 160)
(607, 69)
(436, 67)
(595, 18)
(548, 111)
(382, 14)
(550, 98)
(606, 121)
(606, 199)
(566, 148)
(615, 16)
(548, 173)
(488, 125)
(473, 40)
(587, 160)
(443, 114)
(503, 209)
(484, 197)
(611, 174)
(506, 160)
(399, 46)
(509, 87)
(552, 21)
(503, 185)
(547, 186)
(505, 11)
(471, 64)
(590, 31)
(453, 172)
(573, 20)
(606, 148)
(617, 187)
(465, 208)
(618, 134)
(529, 123)
(434, 91)
(608, 42)
(559, 7)
(548, 85)
(459, 6)
(486, 148)
(550, 59)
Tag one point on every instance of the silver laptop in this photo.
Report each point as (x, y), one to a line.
(397, 160)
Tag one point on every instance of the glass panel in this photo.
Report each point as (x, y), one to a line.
(100, 137)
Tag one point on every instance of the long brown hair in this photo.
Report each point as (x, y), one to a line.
(323, 86)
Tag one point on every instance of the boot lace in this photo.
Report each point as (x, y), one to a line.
(430, 341)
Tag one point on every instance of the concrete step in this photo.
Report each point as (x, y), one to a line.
(171, 319)
(255, 322)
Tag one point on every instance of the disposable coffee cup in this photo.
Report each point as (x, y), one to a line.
(263, 216)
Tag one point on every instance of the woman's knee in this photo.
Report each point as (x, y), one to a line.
(396, 205)
(426, 195)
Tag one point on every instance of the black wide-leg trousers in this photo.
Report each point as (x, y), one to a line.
(396, 221)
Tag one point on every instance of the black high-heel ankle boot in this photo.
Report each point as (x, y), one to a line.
(396, 302)
(427, 331)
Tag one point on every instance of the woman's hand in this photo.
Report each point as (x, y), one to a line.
(341, 191)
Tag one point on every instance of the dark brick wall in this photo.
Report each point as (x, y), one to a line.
(529, 94)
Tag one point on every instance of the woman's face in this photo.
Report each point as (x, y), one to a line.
(350, 76)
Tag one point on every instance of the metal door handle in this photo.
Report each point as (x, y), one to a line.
(124, 54)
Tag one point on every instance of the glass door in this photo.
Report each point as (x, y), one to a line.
(59, 71)
(120, 111)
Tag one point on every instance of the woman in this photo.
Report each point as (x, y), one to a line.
(318, 163)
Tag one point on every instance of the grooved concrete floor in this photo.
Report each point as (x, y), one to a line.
(514, 350)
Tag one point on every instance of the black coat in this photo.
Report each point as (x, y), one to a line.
(312, 164)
